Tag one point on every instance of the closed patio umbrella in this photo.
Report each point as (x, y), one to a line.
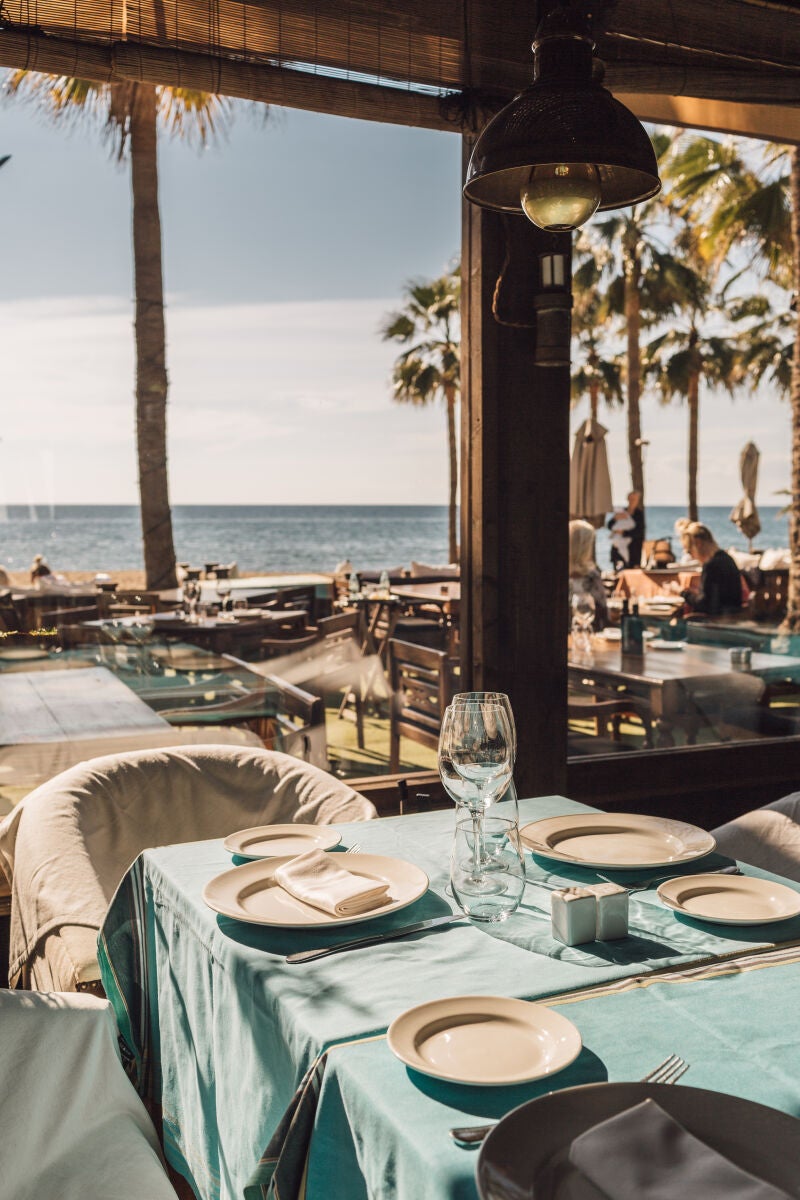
(589, 480)
(745, 513)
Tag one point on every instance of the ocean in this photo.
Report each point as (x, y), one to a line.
(288, 537)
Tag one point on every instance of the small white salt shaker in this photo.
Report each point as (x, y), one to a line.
(573, 915)
(612, 911)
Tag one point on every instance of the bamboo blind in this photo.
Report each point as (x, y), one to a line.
(436, 63)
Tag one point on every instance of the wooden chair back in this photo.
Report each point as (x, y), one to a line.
(422, 682)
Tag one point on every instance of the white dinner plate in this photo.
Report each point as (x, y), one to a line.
(489, 1041)
(276, 841)
(731, 899)
(612, 634)
(660, 644)
(249, 893)
(527, 1153)
(617, 840)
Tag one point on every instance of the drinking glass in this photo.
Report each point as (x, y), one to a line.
(583, 614)
(507, 874)
(509, 796)
(223, 592)
(476, 739)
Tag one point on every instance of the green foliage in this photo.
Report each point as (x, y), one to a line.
(183, 112)
(428, 325)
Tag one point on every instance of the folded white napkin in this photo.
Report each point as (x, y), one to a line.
(643, 1154)
(317, 879)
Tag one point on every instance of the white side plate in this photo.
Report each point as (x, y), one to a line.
(276, 841)
(489, 1041)
(731, 899)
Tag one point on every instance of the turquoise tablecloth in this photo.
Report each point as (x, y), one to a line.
(381, 1130)
(221, 1031)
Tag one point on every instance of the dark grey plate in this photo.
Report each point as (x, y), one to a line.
(533, 1140)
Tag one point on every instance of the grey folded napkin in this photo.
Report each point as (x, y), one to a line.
(644, 1154)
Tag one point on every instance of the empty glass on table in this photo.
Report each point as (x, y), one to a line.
(583, 618)
(476, 760)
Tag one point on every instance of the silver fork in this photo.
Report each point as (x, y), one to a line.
(669, 1071)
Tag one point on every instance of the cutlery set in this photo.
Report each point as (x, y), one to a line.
(669, 1071)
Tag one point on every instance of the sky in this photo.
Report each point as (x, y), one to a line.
(285, 245)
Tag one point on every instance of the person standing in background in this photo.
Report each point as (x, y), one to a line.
(628, 523)
(636, 512)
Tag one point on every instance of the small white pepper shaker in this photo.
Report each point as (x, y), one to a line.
(612, 911)
(573, 915)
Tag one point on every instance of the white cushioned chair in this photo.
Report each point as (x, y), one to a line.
(67, 845)
(767, 837)
(71, 1123)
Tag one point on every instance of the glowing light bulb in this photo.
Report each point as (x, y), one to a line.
(561, 196)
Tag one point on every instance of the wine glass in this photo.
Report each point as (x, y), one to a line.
(223, 593)
(510, 793)
(583, 615)
(477, 742)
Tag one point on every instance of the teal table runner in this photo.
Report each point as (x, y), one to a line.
(221, 1032)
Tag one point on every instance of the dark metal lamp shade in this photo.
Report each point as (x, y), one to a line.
(547, 124)
(564, 120)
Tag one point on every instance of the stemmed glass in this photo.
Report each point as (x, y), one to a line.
(223, 592)
(476, 759)
(510, 793)
(583, 614)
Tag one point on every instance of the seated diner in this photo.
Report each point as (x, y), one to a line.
(721, 586)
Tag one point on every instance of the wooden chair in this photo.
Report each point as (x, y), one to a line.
(284, 716)
(603, 709)
(341, 665)
(422, 682)
(58, 617)
(767, 601)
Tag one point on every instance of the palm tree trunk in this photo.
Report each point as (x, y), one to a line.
(693, 397)
(634, 363)
(792, 622)
(452, 538)
(151, 371)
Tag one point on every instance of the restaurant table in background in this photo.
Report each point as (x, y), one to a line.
(683, 686)
(56, 713)
(214, 1017)
(222, 634)
(65, 706)
(637, 581)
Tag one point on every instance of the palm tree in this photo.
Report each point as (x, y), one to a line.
(636, 277)
(130, 115)
(429, 368)
(756, 213)
(596, 374)
(685, 355)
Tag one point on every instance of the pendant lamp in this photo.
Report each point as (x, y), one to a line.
(564, 148)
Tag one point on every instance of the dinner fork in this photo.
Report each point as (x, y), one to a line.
(669, 1071)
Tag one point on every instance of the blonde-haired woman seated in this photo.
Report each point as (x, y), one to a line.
(584, 575)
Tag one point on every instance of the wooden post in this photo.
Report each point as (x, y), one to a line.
(515, 483)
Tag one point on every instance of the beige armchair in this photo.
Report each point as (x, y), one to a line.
(66, 846)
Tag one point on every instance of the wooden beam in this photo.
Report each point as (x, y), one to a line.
(120, 61)
(769, 121)
(515, 486)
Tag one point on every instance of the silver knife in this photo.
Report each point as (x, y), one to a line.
(403, 931)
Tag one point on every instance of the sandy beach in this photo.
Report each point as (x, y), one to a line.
(124, 579)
